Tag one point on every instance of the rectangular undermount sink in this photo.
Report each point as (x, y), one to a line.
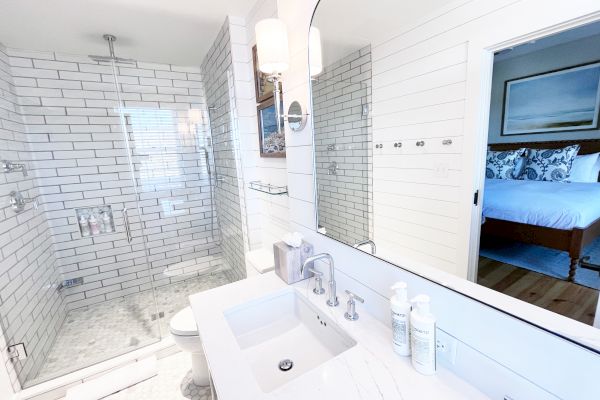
(285, 326)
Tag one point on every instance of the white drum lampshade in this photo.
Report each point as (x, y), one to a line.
(272, 46)
(315, 53)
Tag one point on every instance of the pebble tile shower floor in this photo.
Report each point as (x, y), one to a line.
(101, 331)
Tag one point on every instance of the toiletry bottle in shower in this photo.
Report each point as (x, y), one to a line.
(101, 223)
(84, 226)
(107, 222)
(94, 225)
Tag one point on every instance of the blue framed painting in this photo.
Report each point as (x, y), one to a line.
(272, 143)
(556, 101)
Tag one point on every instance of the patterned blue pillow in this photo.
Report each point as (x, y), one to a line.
(501, 164)
(550, 164)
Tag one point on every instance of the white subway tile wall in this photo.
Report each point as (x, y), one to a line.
(31, 308)
(220, 95)
(343, 147)
(81, 158)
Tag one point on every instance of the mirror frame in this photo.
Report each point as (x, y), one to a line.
(296, 121)
(477, 118)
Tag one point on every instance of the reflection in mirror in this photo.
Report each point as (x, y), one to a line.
(343, 140)
(296, 117)
(388, 135)
(540, 236)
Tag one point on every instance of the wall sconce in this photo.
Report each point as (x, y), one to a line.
(273, 56)
(315, 52)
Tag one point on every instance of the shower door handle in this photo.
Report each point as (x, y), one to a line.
(126, 223)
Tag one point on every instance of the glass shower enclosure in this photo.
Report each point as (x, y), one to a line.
(121, 208)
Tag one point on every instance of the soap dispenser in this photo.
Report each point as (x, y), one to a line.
(401, 319)
(422, 336)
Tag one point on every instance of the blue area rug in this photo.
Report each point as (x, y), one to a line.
(543, 260)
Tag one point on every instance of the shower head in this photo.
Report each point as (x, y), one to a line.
(111, 49)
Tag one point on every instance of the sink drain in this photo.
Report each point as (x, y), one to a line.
(286, 365)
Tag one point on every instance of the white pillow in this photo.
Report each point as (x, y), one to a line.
(583, 168)
(596, 170)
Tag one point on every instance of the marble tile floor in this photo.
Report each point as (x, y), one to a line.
(101, 331)
(173, 382)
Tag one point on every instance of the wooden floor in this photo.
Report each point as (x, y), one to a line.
(565, 298)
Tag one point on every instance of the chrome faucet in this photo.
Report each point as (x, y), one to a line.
(10, 166)
(367, 241)
(332, 301)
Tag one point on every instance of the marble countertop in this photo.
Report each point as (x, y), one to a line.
(369, 370)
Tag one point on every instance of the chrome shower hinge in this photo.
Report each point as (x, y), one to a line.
(365, 110)
(154, 317)
(17, 352)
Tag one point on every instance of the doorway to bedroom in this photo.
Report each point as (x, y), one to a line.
(540, 232)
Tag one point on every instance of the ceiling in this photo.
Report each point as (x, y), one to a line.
(164, 31)
(348, 25)
(585, 31)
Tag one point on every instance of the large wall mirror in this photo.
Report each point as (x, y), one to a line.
(388, 135)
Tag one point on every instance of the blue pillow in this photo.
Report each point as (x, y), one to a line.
(550, 164)
(502, 164)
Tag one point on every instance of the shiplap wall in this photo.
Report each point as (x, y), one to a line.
(418, 95)
(552, 364)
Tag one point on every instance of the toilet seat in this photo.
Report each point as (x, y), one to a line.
(183, 323)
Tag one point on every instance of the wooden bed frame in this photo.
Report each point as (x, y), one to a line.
(572, 241)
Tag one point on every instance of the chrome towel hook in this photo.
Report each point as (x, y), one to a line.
(420, 143)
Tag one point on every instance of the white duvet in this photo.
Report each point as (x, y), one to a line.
(551, 204)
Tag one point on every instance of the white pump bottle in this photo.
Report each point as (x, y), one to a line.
(422, 336)
(401, 319)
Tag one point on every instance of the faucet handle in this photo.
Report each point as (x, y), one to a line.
(351, 314)
(318, 281)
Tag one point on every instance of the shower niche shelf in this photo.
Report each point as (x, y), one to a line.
(268, 188)
(95, 221)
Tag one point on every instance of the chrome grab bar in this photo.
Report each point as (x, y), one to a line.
(126, 223)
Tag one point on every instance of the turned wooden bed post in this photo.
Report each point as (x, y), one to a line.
(575, 248)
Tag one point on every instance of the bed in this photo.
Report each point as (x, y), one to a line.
(561, 216)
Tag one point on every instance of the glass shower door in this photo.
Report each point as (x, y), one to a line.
(75, 285)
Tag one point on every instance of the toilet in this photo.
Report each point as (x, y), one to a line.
(183, 325)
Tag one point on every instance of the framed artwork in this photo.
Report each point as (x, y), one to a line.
(262, 86)
(555, 101)
(272, 144)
